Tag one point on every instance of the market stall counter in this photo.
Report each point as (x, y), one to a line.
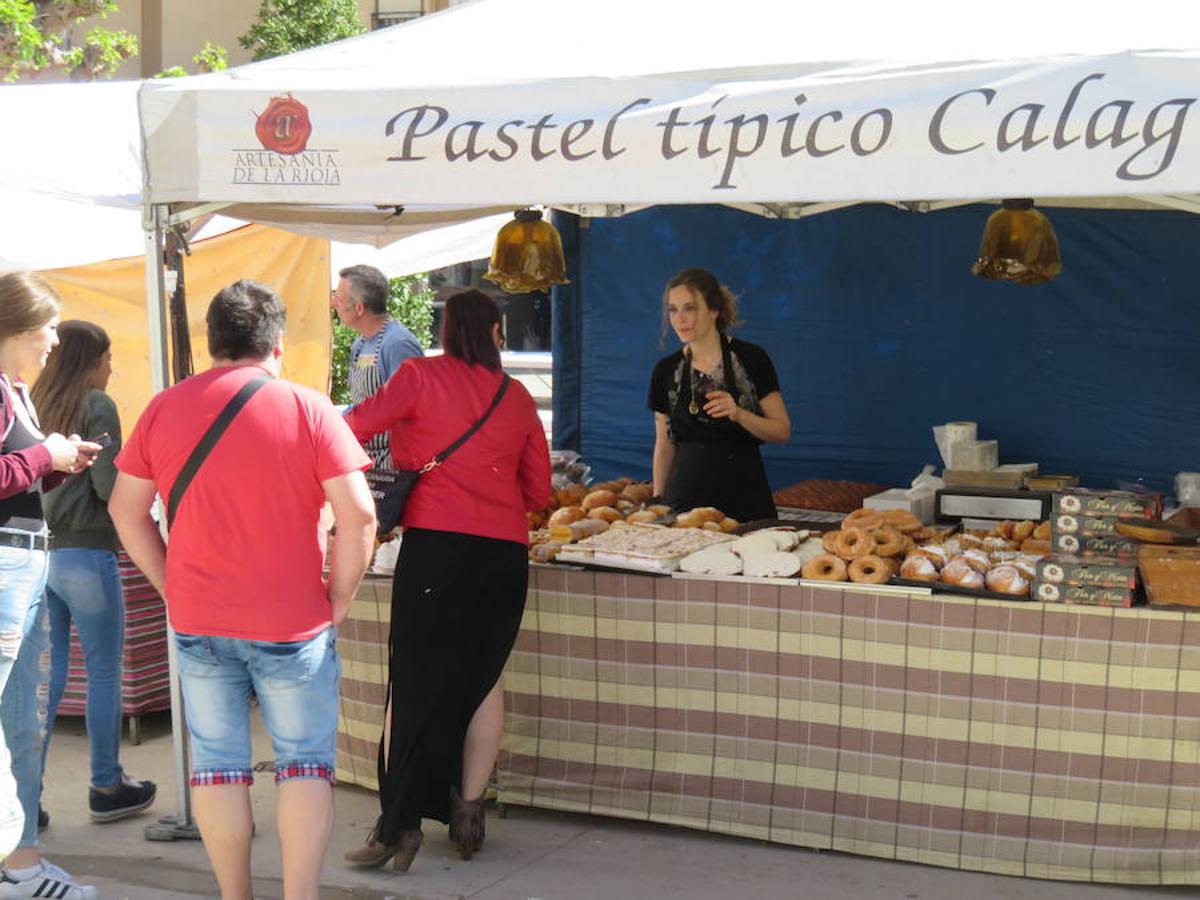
(1045, 740)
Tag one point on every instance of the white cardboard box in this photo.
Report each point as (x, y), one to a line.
(918, 502)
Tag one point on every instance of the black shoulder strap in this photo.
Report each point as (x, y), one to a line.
(215, 430)
(444, 455)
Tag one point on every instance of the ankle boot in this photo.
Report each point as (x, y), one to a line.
(410, 843)
(466, 823)
(374, 853)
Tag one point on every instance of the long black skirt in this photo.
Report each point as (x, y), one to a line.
(457, 601)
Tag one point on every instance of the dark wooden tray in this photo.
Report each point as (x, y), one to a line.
(942, 588)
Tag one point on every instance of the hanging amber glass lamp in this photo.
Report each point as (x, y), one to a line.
(1018, 245)
(528, 255)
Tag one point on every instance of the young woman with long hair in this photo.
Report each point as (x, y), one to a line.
(84, 586)
(715, 400)
(31, 463)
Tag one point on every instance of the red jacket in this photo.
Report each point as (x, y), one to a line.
(487, 485)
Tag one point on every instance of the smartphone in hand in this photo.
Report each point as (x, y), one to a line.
(91, 449)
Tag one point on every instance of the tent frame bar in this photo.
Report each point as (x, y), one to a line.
(155, 220)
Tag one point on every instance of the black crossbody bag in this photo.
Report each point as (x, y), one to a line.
(211, 436)
(391, 488)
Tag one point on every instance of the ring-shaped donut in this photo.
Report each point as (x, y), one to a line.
(888, 541)
(862, 518)
(870, 569)
(825, 567)
(829, 541)
(854, 542)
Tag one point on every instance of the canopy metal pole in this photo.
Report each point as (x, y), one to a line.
(180, 824)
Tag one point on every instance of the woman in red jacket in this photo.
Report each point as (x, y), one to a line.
(459, 588)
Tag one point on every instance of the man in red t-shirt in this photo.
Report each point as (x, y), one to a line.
(242, 578)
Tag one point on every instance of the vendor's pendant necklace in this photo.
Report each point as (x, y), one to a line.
(693, 406)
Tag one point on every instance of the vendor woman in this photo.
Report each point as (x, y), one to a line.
(714, 402)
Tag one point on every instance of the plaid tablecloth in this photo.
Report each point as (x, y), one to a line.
(1018, 738)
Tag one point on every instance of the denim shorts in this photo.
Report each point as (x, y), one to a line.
(296, 683)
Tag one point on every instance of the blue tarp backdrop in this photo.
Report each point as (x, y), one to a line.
(879, 331)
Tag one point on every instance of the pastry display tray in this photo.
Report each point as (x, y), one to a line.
(940, 587)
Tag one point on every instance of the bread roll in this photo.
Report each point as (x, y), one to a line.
(637, 493)
(565, 515)
(571, 494)
(599, 498)
(577, 531)
(918, 568)
(607, 513)
(644, 516)
(545, 551)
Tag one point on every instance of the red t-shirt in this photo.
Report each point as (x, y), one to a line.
(245, 555)
(487, 485)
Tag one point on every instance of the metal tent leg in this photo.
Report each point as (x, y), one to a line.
(180, 825)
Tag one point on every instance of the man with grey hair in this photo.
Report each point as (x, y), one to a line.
(360, 301)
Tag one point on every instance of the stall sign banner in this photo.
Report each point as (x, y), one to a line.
(1110, 125)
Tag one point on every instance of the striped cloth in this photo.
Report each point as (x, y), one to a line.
(145, 675)
(1018, 738)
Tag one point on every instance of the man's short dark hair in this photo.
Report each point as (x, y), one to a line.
(245, 321)
(368, 286)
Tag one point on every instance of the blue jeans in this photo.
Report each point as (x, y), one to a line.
(296, 683)
(84, 586)
(23, 677)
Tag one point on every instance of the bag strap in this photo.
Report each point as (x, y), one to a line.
(445, 454)
(215, 430)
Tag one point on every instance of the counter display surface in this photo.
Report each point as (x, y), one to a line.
(1018, 738)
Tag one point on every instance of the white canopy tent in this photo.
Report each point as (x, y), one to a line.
(570, 102)
(604, 107)
(785, 109)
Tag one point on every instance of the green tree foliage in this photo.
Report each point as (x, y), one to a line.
(35, 35)
(285, 26)
(411, 304)
(211, 58)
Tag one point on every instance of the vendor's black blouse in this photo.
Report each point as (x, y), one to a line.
(754, 376)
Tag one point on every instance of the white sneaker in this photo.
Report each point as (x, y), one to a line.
(52, 882)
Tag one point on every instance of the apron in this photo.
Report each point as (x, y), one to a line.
(365, 380)
(726, 472)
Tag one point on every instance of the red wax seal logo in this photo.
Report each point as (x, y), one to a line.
(284, 126)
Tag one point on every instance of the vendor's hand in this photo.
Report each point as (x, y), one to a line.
(721, 405)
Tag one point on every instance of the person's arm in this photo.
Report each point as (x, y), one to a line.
(773, 426)
(534, 469)
(51, 460)
(129, 506)
(388, 405)
(664, 454)
(354, 519)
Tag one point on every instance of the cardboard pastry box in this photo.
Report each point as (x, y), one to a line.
(1090, 595)
(1094, 545)
(1119, 504)
(1069, 523)
(1095, 571)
